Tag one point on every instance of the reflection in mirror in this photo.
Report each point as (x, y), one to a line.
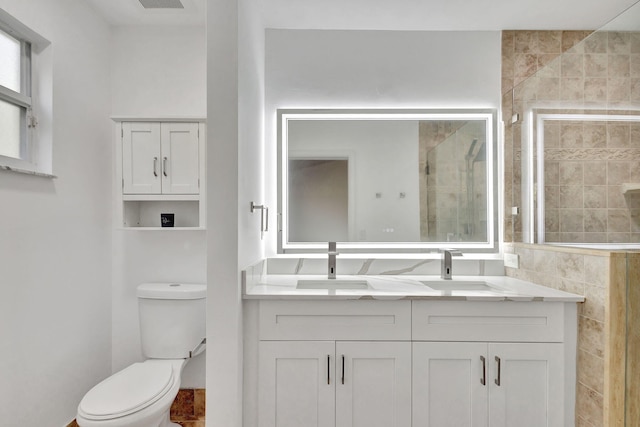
(407, 180)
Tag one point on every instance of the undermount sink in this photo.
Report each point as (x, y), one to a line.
(458, 285)
(332, 284)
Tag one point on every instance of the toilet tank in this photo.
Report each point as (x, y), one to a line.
(172, 318)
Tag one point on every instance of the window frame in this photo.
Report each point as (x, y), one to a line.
(34, 100)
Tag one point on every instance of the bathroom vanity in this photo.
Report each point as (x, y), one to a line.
(413, 350)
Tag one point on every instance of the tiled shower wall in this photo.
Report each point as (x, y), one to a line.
(585, 167)
(523, 54)
(561, 70)
(585, 273)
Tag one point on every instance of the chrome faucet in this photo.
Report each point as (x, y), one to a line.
(332, 260)
(446, 266)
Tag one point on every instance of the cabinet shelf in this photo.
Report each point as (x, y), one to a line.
(163, 228)
(160, 197)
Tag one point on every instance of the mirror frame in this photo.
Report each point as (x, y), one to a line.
(494, 194)
(533, 157)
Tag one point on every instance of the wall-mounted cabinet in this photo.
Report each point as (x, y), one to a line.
(160, 169)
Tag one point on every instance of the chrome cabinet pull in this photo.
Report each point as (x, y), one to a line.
(343, 369)
(498, 378)
(164, 166)
(483, 380)
(155, 166)
(328, 369)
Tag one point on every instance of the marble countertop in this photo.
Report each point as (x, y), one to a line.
(381, 287)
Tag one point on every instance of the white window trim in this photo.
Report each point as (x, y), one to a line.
(39, 105)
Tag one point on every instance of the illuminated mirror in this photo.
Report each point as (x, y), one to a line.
(410, 180)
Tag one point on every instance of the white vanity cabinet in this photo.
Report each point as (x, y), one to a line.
(420, 363)
(322, 379)
(499, 364)
(160, 169)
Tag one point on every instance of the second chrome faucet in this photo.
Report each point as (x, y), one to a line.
(331, 270)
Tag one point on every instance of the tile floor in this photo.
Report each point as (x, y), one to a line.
(188, 408)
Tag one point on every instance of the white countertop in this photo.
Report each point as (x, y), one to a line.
(501, 288)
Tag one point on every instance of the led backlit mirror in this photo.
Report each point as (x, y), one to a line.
(410, 180)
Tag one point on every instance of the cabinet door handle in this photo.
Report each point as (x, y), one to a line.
(164, 166)
(498, 377)
(155, 166)
(343, 369)
(483, 380)
(328, 369)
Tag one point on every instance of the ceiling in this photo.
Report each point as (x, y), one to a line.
(419, 15)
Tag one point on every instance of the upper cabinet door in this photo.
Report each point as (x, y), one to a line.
(180, 164)
(526, 385)
(141, 160)
(450, 384)
(373, 384)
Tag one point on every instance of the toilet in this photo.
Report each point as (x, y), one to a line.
(172, 330)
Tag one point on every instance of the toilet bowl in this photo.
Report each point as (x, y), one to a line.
(138, 396)
(172, 327)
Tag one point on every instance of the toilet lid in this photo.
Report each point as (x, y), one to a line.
(128, 391)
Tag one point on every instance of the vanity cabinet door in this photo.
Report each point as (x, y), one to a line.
(450, 384)
(141, 158)
(180, 159)
(373, 384)
(296, 384)
(526, 385)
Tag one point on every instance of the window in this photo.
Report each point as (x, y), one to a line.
(25, 93)
(15, 95)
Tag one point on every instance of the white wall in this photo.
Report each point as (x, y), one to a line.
(156, 72)
(375, 69)
(235, 131)
(55, 235)
(159, 71)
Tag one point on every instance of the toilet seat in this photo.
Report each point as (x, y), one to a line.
(128, 391)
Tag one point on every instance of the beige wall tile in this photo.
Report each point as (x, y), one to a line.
(597, 173)
(595, 196)
(572, 89)
(571, 173)
(572, 65)
(618, 135)
(596, 43)
(619, 65)
(549, 41)
(595, 90)
(570, 266)
(618, 42)
(618, 89)
(596, 270)
(591, 371)
(595, 220)
(571, 221)
(589, 406)
(594, 305)
(618, 172)
(526, 42)
(571, 196)
(591, 336)
(595, 65)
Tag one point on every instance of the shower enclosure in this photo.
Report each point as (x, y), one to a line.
(456, 185)
(572, 170)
